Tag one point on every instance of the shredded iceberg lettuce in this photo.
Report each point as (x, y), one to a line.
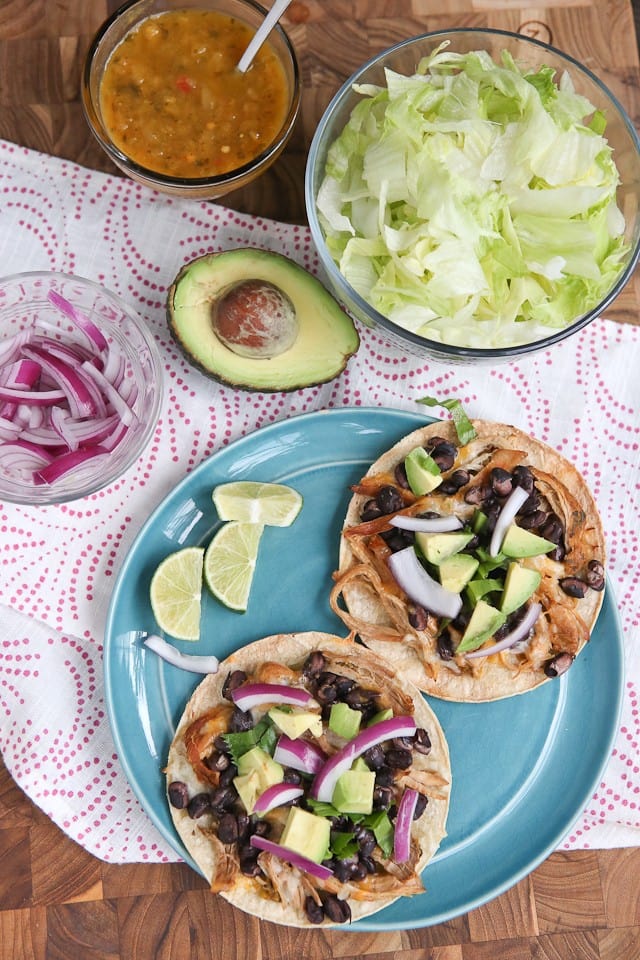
(473, 203)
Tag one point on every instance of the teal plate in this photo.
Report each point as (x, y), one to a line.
(523, 768)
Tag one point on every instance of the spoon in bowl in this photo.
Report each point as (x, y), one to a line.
(262, 33)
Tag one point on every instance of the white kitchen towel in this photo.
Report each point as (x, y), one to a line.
(58, 563)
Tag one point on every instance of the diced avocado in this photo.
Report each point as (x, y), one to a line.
(307, 834)
(268, 770)
(520, 584)
(297, 722)
(423, 473)
(360, 764)
(456, 571)
(248, 787)
(344, 721)
(353, 792)
(484, 622)
(381, 715)
(519, 543)
(479, 521)
(325, 339)
(437, 547)
(476, 589)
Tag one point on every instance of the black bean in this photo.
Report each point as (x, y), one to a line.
(178, 794)
(531, 504)
(422, 742)
(248, 860)
(445, 645)
(421, 805)
(384, 775)
(501, 482)
(241, 721)
(401, 743)
(532, 521)
(400, 476)
(314, 664)
(369, 863)
(382, 797)
(552, 529)
(217, 761)
(454, 482)
(199, 805)
(478, 494)
(595, 575)
(326, 693)
(228, 828)
(461, 621)
(244, 827)
(292, 776)
(338, 911)
(233, 680)
(358, 697)
(366, 840)
(359, 871)
(434, 442)
(397, 539)
(389, 500)
(418, 617)
(344, 685)
(574, 587)
(221, 745)
(374, 757)
(260, 828)
(343, 868)
(313, 910)
(223, 798)
(227, 776)
(559, 665)
(399, 759)
(370, 511)
(522, 477)
(444, 454)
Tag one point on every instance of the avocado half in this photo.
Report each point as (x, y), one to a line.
(326, 338)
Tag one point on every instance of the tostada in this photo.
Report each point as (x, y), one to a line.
(476, 568)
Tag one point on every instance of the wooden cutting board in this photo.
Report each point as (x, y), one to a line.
(42, 46)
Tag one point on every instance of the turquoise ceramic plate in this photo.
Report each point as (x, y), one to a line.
(523, 769)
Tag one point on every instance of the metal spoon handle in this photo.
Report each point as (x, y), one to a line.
(261, 34)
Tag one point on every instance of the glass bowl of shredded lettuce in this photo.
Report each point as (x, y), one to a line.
(474, 194)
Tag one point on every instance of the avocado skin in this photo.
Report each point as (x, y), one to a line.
(327, 337)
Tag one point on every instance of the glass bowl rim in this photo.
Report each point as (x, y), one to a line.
(164, 180)
(379, 319)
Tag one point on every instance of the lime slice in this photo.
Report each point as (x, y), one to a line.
(229, 562)
(175, 592)
(249, 501)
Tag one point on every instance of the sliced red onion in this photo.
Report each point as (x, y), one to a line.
(63, 397)
(277, 795)
(80, 399)
(66, 462)
(325, 780)
(512, 504)
(299, 754)
(290, 856)
(420, 587)
(185, 661)
(83, 323)
(251, 695)
(426, 524)
(519, 632)
(402, 830)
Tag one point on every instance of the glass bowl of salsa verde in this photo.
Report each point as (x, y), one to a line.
(164, 98)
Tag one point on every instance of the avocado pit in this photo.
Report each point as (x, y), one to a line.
(255, 318)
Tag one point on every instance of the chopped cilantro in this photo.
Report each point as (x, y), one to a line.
(343, 845)
(241, 743)
(464, 428)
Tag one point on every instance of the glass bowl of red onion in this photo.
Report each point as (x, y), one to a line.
(80, 387)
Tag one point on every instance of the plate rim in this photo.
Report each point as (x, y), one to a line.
(367, 924)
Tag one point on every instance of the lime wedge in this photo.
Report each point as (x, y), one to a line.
(175, 593)
(249, 501)
(229, 562)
